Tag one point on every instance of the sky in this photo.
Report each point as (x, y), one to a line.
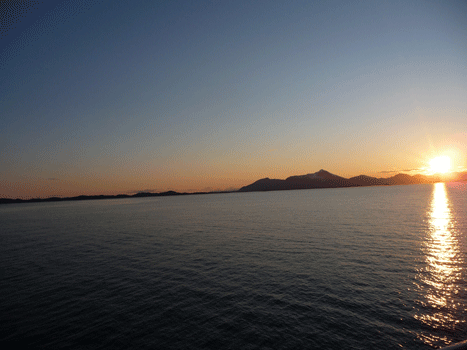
(107, 97)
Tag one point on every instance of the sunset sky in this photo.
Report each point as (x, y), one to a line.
(106, 97)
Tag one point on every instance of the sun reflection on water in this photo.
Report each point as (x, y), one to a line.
(439, 281)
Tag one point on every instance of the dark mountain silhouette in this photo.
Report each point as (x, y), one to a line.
(267, 184)
(364, 180)
(83, 197)
(324, 179)
(320, 179)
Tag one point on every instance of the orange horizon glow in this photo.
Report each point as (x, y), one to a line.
(198, 181)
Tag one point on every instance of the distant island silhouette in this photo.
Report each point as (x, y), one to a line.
(83, 197)
(324, 179)
(320, 179)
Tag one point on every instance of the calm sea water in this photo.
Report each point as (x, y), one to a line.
(354, 268)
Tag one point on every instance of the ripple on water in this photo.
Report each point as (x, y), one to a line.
(360, 268)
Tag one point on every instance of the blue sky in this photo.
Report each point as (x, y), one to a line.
(118, 96)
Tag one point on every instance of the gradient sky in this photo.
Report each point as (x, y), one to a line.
(106, 97)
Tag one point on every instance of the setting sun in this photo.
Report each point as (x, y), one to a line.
(440, 164)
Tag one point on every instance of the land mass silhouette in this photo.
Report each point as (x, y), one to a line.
(324, 179)
(320, 179)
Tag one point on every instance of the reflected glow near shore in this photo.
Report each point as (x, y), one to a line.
(438, 282)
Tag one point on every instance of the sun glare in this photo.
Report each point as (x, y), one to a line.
(440, 164)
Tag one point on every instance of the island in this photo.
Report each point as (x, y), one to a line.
(320, 179)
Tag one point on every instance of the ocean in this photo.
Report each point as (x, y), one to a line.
(346, 268)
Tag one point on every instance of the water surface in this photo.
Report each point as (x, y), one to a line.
(355, 268)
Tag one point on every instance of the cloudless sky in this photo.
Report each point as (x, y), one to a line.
(105, 97)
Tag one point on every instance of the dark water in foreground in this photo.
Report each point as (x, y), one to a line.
(356, 268)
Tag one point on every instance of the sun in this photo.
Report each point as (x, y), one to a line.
(440, 164)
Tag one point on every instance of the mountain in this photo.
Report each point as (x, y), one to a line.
(365, 180)
(324, 179)
(402, 179)
(462, 176)
(320, 179)
(266, 184)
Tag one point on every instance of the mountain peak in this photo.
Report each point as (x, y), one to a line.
(325, 179)
(319, 174)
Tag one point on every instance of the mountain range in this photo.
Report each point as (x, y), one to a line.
(324, 179)
(320, 179)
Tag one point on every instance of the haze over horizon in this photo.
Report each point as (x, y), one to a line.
(101, 97)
